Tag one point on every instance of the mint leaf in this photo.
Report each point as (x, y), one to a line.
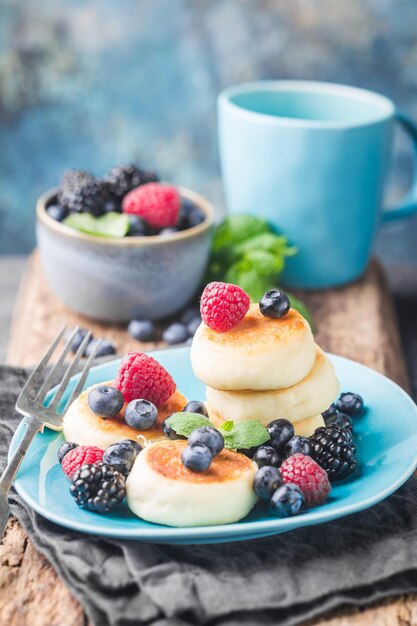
(238, 228)
(185, 423)
(227, 426)
(114, 225)
(244, 435)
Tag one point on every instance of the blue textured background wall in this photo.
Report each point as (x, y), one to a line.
(90, 84)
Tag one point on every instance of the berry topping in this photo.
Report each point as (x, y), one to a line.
(57, 212)
(105, 401)
(175, 333)
(80, 455)
(287, 500)
(280, 432)
(312, 480)
(190, 215)
(298, 445)
(223, 306)
(122, 179)
(64, 448)
(350, 403)
(267, 455)
(195, 406)
(122, 455)
(99, 487)
(197, 457)
(137, 226)
(334, 451)
(332, 410)
(141, 414)
(274, 304)
(141, 376)
(170, 432)
(158, 204)
(142, 330)
(208, 436)
(339, 419)
(267, 480)
(82, 192)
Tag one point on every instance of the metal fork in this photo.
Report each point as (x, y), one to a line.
(39, 413)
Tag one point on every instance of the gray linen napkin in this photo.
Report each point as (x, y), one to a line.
(281, 580)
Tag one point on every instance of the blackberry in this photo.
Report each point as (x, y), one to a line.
(122, 179)
(98, 487)
(334, 450)
(81, 192)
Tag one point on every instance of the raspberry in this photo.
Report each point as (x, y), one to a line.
(312, 480)
(75, 458)
(223, 306)
(141, 376)
(159, 205)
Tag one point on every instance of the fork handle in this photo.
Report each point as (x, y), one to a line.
(33, 426)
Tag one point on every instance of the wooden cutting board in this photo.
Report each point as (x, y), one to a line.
(356, 321)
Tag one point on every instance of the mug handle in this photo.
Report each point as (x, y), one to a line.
(408, 204)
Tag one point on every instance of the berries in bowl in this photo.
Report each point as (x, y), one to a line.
(123, 247)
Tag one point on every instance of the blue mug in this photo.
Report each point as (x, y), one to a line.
(313, 159)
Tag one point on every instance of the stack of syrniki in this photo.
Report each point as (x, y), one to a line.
(265, 369)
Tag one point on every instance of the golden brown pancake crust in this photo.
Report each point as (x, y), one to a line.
(118, 426)
(256, 328)
(165, 458)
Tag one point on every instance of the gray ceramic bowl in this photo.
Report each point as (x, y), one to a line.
(121, 279)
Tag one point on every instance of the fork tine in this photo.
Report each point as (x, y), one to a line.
(47, 384)
(37, 374)
(79, 386)
(69, 372)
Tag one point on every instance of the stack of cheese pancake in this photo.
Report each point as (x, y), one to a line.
(265, 369)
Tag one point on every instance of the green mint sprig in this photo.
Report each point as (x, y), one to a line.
(238, 436)
(112, 224)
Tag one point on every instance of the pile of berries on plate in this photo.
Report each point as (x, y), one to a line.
(297, 472)
(153, 208)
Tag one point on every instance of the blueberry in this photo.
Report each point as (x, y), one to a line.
(280, 432)
(197, 457)
(186, 207)
(195, 216)
(195, 406)
(105, 349)
(112, 206)
(267, 480)
(287, 500)
(339, 419)
(170, 432)
(297, 445)
(170, 230)
(175, 333)
(274, 303)
(267, 455)
(142, 330)
(57, 212)
(332, 410)
(189, 315)
(105, 401)
(78, 339)
(193, 325)
(64, 448)
(141, 414)
(209, 437)
(122, 455)
(350, 403)
(137, 226)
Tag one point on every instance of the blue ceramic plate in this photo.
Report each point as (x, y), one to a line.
(386, 438)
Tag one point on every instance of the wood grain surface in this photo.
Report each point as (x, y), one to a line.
(356, 321)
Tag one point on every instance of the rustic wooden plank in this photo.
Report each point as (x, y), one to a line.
(356, 321)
